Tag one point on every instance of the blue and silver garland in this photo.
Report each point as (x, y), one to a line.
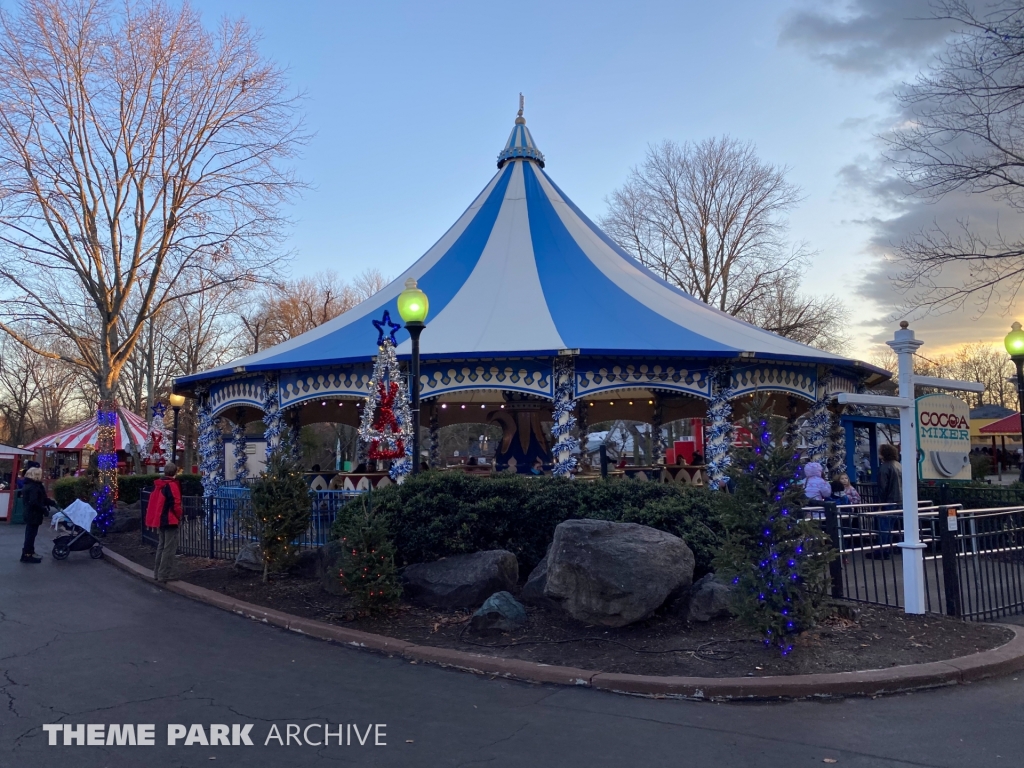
(837, 449)
(241, 461)
(564, 419)
(819, 424)
(719, 432)
(435, 440)
(211, 450)
(272, 419)
(657, 432)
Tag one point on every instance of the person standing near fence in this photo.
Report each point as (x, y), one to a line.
(890, 491)
(164, 513)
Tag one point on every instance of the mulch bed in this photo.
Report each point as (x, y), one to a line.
(858, 637)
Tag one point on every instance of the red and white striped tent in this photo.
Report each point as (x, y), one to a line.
(86, 433)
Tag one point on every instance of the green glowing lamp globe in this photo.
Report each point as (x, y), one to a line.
(412, 303)
(1014, 341)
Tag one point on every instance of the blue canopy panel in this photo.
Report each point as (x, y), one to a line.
(524, 273)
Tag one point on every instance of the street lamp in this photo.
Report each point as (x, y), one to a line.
(176, 402)
(1014, 343)
(413, 307)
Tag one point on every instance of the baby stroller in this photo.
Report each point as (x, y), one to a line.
(73, 524)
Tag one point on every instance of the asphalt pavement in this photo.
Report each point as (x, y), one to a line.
(83, 643)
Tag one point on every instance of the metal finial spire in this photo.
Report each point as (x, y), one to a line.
(520, 120)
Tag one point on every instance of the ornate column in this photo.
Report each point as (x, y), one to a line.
(582, 429)
(719, 435)
(435, 439)
(657, 438)
(563, 418)
(819, 422)
(272, 417)
(239, 444)
(211, 449)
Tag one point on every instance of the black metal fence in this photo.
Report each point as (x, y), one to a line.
(218, 527)
(982, 552)
(973, 559)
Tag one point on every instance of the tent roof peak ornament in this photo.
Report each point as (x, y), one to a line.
(520, 144)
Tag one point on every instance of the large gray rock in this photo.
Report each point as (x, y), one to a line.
(710, 599)
(500, 613)
(533, 589)
(328, 566)
(127, 517)
(614, 574)
(461, 581)
(249, 557)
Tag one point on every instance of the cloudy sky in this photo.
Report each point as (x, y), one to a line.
(410, 103)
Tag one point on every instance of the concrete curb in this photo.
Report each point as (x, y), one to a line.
(1004, 660)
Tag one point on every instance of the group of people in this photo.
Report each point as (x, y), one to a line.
(163, 513)
(842, 491)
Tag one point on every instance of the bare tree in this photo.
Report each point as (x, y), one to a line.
(963, 133)
(710, 218)
(294, 307)
(138, 152)
(18, 390)
(815, 320)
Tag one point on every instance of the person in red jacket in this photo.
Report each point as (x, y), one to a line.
(164, 513)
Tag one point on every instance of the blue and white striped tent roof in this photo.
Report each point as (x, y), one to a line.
(522, 273)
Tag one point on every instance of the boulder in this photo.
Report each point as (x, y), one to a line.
(500, 613)
(328, 566)
(461, 581)
(305, 564)
(533, 590)
(127, 517)
(710, 599)
(613, 574)
(249, 557)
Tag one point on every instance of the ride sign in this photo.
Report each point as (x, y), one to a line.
(943, 438)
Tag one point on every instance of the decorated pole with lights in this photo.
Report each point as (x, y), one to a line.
(1014, 343)
(273, 420)
(105, 496)
(211, 449)
(386, 425)
(905, 345)
(413, 306)
(564, 418)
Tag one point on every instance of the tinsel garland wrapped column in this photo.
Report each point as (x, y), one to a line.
(837, 444)
(582, 428)
(272, 418)
(239, 444)
(435, 440)
(657, 436)
(564, 420)
(819, 422)
(719, 434)
(105, 496)
(211, 450)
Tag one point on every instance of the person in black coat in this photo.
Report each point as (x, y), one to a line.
(34, 502)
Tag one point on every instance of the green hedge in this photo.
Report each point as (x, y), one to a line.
(436, 514)
(67, 489)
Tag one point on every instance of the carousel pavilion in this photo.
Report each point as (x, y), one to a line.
(525, 291)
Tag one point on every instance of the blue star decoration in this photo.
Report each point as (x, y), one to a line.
(381, 325)
(159, 409)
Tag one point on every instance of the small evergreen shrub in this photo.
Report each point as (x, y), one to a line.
(778, 560)
(281, 509)
(438, 514)
(368, 570)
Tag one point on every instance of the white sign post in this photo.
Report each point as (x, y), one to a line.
(904, 344)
